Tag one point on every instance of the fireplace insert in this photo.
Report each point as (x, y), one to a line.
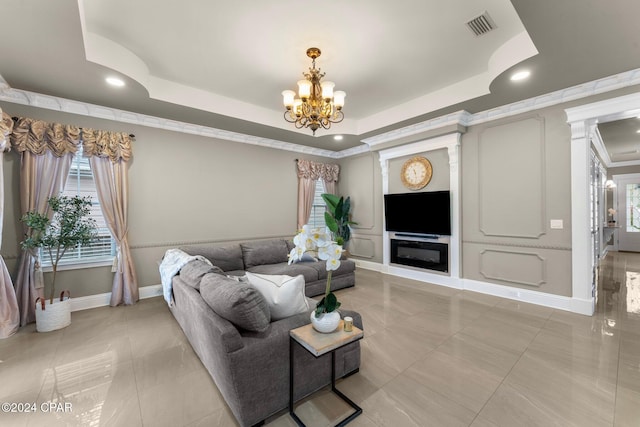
(422, 253)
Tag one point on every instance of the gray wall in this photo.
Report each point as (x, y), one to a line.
(361, 179)
(515, 179)
(439, 160)
(183, 189)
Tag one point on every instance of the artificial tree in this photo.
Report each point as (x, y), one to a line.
(70, 226)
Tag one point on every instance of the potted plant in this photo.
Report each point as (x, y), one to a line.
(337, 217)
(318, 241)
(70, 226)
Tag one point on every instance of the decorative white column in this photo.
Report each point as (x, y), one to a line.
(581, 250)
(454, 184)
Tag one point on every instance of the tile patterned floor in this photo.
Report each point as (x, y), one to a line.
(431, 356)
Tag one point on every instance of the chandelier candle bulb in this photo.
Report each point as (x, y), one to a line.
(297, 107)
(304, 89)
(338, 99)
(287, 98)
(327, 90)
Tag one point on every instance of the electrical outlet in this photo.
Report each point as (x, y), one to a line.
(557, 224)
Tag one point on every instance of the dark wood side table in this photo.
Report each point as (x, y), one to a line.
(320, 344)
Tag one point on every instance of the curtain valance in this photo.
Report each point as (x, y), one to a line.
(114, 145)
(37, 136)
(312, 170)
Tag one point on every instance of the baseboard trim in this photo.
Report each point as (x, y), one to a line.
(424, 276)
(101, 300)
(367, 265)
(559, 302)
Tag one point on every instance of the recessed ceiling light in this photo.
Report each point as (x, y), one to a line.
(638, 131)
(338, 137)
(114, 81)
(520, 75)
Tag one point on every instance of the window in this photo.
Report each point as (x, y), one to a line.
(80, 183)
(633, 206)
(316, 219)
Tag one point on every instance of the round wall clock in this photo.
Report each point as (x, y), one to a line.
(416, 173)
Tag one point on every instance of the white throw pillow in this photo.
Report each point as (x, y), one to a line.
(284, 294)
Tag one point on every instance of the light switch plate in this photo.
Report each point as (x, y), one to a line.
(557, 224)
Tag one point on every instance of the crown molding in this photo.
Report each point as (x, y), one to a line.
(457, 118)
(463, 118)
(17, 96)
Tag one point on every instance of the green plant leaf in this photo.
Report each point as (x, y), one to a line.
(331, 222)
(320, 307)
(331, 302)
(339, 208)
(331, 200)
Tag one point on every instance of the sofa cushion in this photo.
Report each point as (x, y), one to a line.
(193, 271)
(284, 294)
(290, 245)
(346, 266)
(309, 273)
(235, 301)
(264, 252)
(227, 257)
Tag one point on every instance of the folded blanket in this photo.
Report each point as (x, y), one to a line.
(172, 262)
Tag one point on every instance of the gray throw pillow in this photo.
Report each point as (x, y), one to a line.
(237, 302)
(228, 257)
(263, 252)
(193, 272)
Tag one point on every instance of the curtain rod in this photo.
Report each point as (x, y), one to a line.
(15, 119)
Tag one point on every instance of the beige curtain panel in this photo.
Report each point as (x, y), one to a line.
(108, 153)
(46, 151)
(112, 184)
(9, 312)
(308, 173)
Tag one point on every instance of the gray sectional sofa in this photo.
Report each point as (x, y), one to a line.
(246, 353)
(270, 257)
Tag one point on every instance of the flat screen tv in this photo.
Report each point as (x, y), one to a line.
(420, 213)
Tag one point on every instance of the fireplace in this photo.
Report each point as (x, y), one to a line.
(427, 253)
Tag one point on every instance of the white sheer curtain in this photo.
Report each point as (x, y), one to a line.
(308, 173)
(9, 312)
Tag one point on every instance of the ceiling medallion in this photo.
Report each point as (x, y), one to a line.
(317, 104)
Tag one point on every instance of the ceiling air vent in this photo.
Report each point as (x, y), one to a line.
(481, 24)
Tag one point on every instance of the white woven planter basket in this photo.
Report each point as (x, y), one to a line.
(51, 317)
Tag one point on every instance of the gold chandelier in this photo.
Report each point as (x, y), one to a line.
(317, 104)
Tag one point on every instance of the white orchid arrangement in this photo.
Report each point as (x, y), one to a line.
(612, 212)
(319, 241)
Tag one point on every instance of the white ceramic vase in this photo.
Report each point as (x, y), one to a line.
(326, 323)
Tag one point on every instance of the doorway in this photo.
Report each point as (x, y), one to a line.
(627, 201)
(583, 121)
